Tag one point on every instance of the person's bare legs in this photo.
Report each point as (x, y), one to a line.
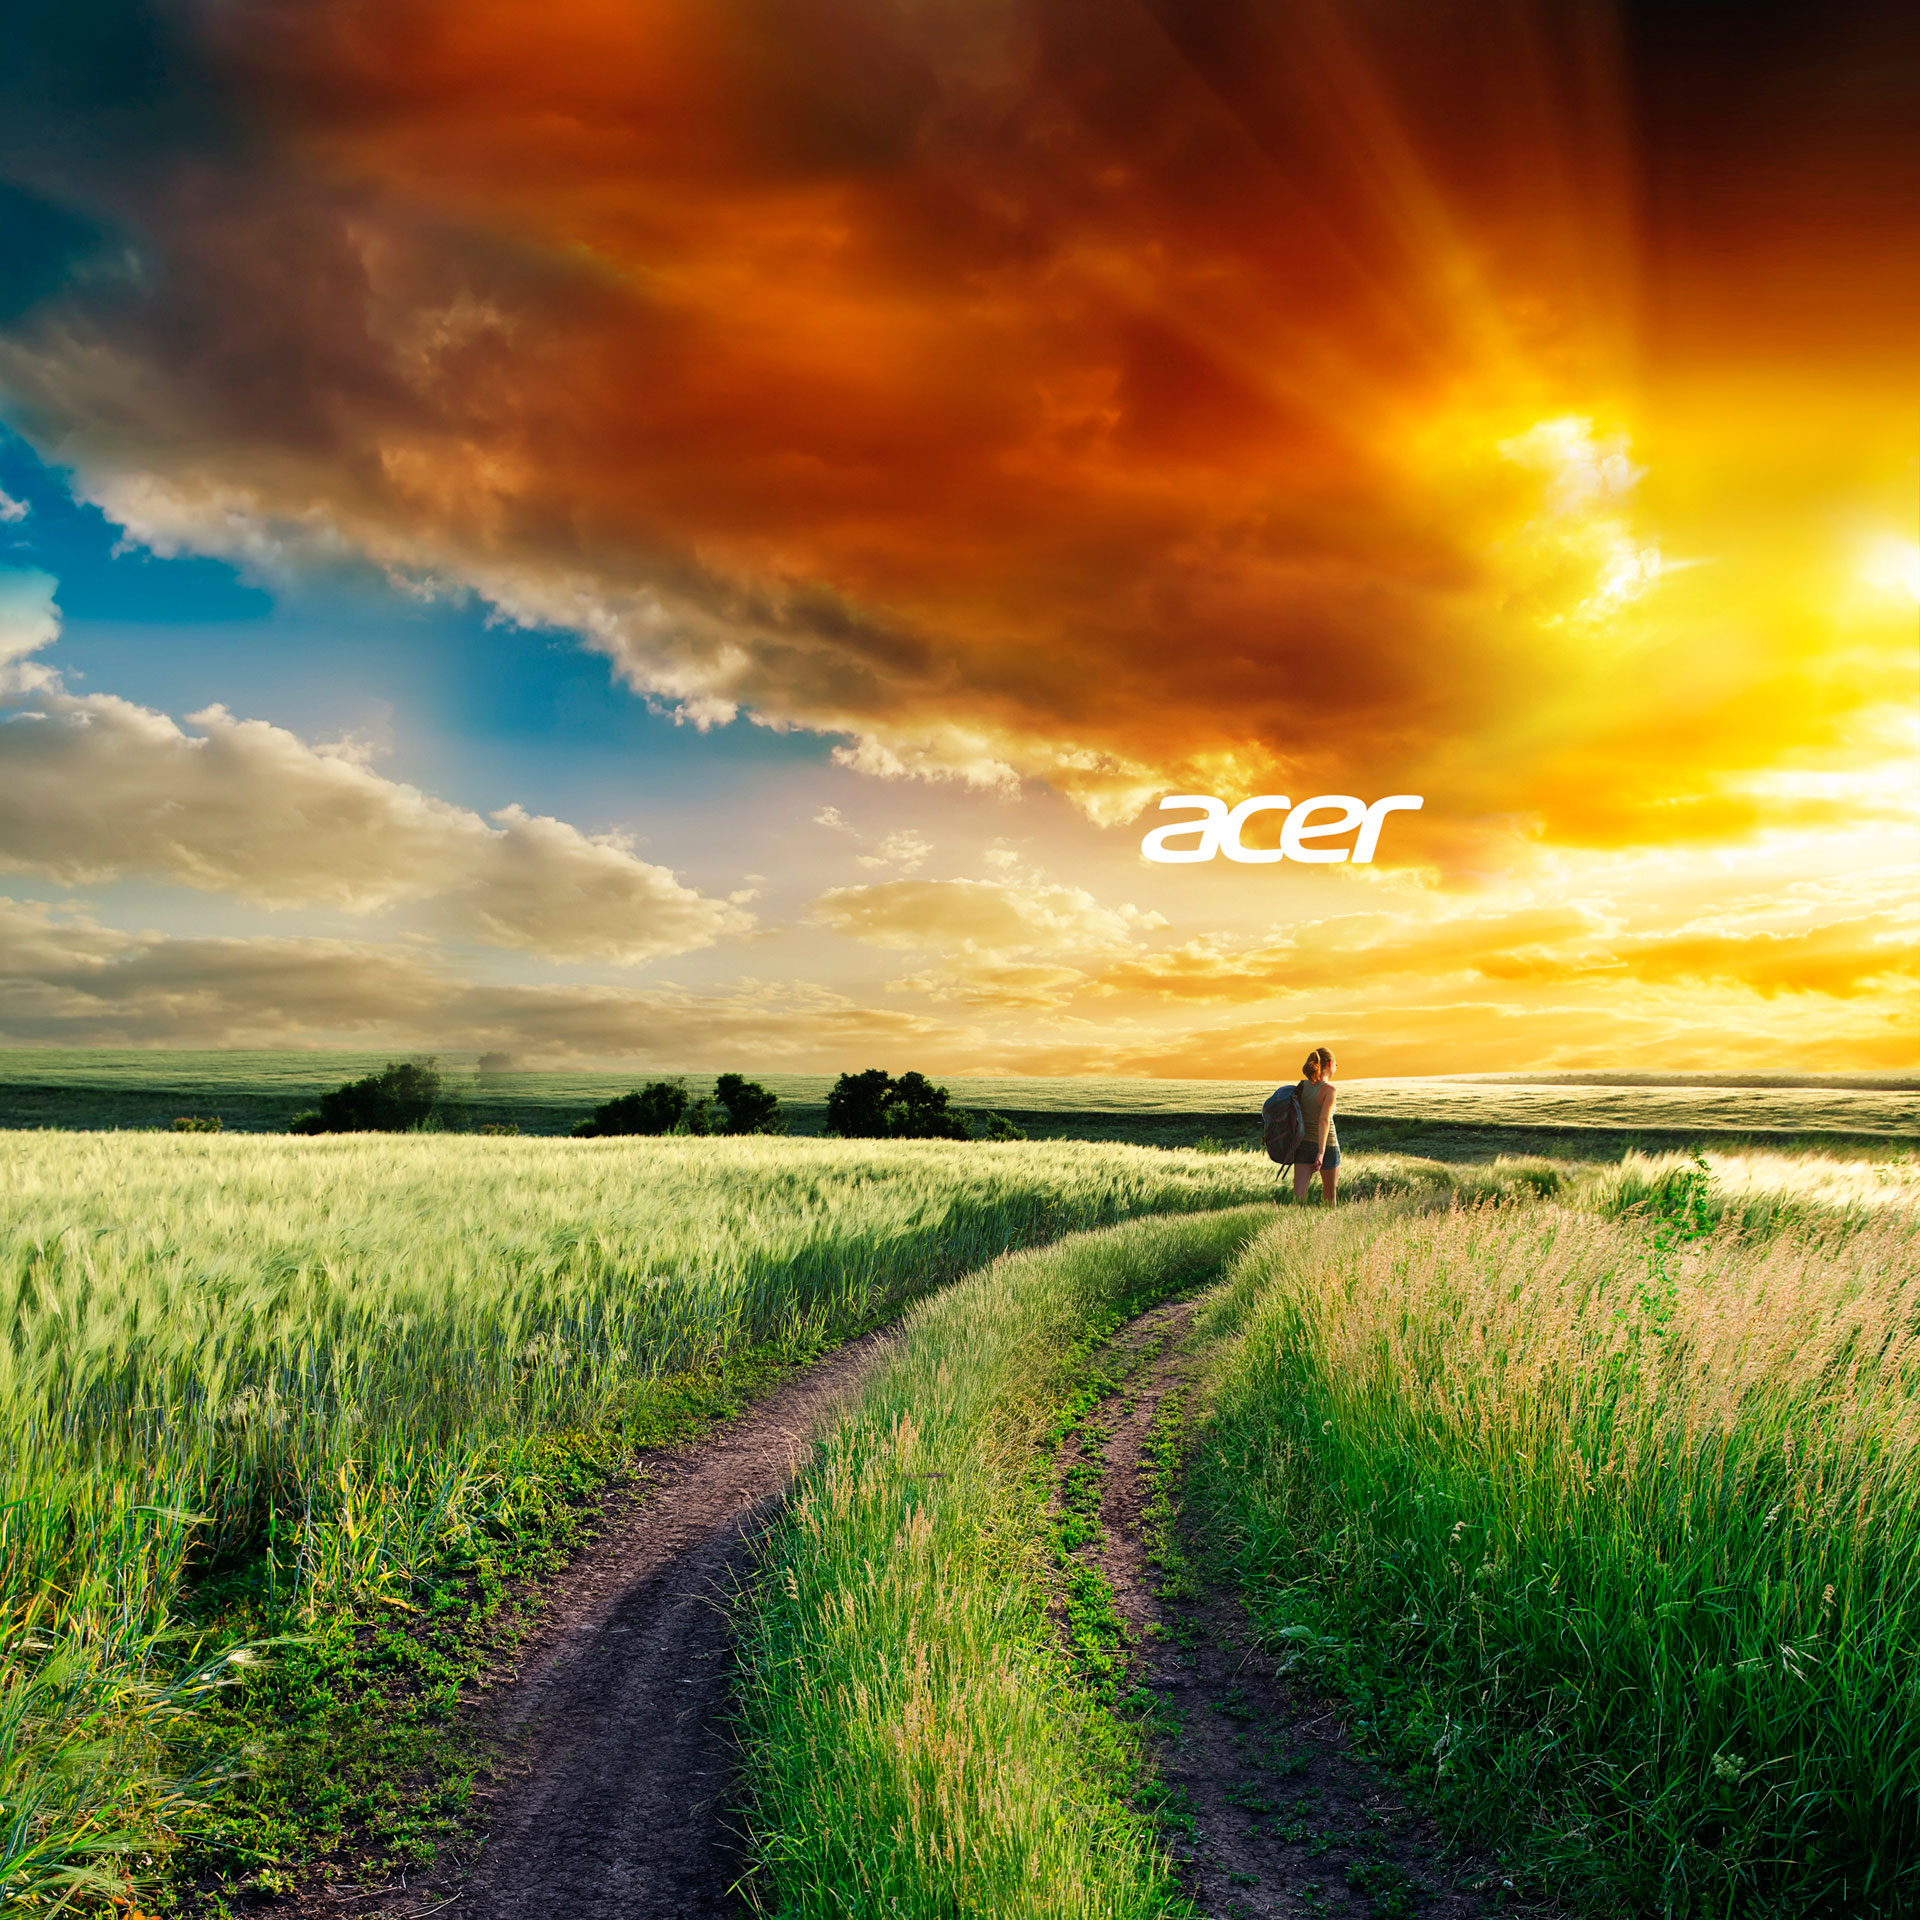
(1328, 1177)
(1302, 1181)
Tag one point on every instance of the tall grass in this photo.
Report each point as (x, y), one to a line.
(339, 1354)
(918, 1748)
(1613, 1533)
(1758, 1191)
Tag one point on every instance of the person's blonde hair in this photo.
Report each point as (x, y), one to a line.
(1325, 1056)
(1311, 1069)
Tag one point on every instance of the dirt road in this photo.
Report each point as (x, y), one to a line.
(1268, 1811)
(617, 1787)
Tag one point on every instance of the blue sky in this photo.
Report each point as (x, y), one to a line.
(478, 708)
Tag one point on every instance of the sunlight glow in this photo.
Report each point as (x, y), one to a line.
(1893, 565)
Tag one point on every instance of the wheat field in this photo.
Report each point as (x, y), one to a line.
(1623, 1452)
(341, 1355)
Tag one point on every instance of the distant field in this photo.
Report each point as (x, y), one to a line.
(1454, 1117)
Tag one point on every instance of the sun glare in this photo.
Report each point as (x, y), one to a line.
(1893, 565)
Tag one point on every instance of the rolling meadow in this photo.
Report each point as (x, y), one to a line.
(1605, 1518)
(1589, 1485)
(340, 1360)
(1592, 1498)
(1471, 1116)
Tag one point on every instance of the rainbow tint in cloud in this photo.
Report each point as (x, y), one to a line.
(979, 422)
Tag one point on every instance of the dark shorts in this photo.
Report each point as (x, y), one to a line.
(1303, 1157)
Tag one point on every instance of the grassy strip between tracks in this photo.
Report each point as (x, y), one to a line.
(1607, 1528)
(920, 1744)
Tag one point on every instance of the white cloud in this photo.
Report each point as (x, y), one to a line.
(92, 788)
(1581, 470)
(906, 849)
(29, 620)
(940, 753)
(11, 510)
(1588, 480)
(545, 887)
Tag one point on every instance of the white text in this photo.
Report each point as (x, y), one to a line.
(1327, 816)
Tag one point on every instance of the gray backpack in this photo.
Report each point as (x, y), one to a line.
(1282, 1125)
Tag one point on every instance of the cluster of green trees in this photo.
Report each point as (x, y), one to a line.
(665, 1106)
(862, 1106)
(875, 1106)
(403, 1096)
(410, 1095)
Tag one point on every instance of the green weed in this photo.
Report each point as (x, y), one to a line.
(304, 1377)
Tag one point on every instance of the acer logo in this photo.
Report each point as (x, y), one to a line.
(1326, 817)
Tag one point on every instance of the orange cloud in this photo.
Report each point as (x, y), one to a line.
(1359, 949)
(1843, 959)
(1540, 947)
(1126, 397)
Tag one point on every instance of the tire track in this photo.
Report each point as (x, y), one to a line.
(617, 1779)
(1267, 1809)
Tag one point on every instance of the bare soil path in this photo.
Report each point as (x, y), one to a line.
(1268, 1810)
(617, 1782)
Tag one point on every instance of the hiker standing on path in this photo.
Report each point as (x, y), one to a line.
(1319, 1149)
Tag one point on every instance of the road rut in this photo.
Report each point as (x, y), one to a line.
(617, 1783)
(1268, 1810)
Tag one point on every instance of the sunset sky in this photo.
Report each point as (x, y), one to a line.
(699, 531)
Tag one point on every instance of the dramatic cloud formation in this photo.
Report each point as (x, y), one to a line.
(1111, 396)
(1544, 985)
(1127, 395)
(92, 788)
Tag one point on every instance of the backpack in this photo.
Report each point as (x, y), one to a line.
(1282, 1125)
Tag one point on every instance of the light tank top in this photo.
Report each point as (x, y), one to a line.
(1311, 1093)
